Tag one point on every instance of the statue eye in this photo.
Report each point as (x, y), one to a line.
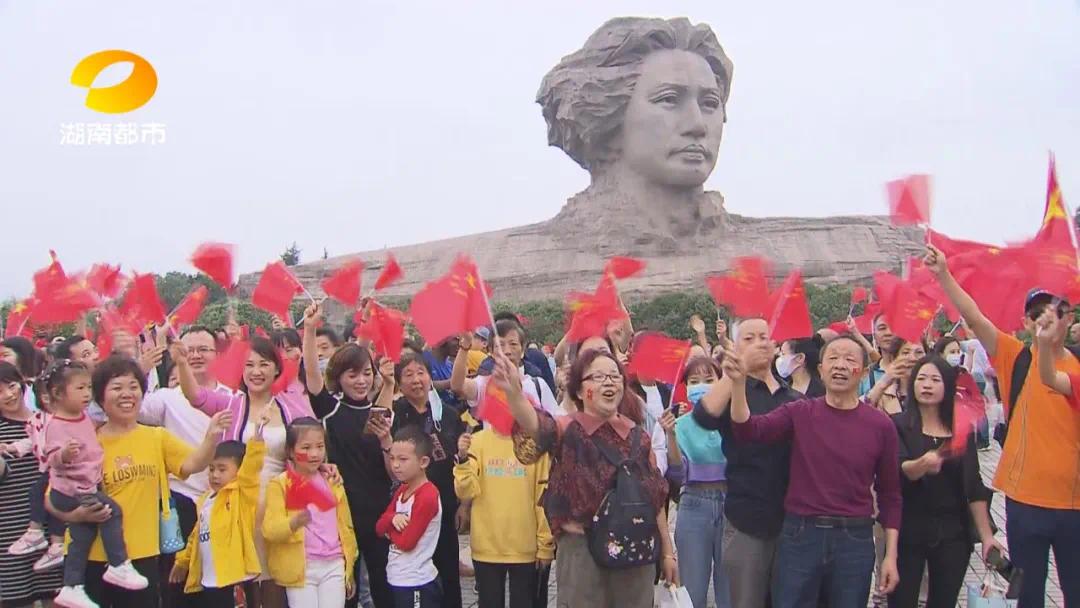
(711, 102)
(669, 98)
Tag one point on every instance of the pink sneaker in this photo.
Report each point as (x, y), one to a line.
(32, 540)
(52, 558)
(125, 576)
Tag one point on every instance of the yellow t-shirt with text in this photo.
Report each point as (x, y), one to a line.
(131, 473)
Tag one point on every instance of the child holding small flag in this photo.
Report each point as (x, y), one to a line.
(310, 543)
(220, 553)
(509, 533)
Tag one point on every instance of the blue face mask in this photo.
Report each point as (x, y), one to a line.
(696, 391)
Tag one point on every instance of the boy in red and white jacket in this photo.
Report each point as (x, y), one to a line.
(412, 522)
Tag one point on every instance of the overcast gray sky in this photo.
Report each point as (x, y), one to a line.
(358, 125)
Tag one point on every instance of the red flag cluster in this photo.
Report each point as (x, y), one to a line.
(744, 290)
(384, 327)
(590, 313)
(908, 311)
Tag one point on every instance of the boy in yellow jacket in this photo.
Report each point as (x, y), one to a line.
(510, 535)
(220, 553)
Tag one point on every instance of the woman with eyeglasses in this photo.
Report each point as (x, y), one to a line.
(581, 476)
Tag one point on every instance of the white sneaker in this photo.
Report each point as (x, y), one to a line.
(32, 540)
(51, 558)
(125, 576)
(74, 597)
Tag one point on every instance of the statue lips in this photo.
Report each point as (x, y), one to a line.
(693, 152)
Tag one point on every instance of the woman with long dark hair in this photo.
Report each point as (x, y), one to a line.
(944, 499)
(798, 365)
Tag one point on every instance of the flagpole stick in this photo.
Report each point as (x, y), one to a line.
(491, 316)
(678, 374)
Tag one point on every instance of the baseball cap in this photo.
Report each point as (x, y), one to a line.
(483, 333)
(1039, 297)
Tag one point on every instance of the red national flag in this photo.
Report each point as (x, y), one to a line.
(622, 267)
(969, 408)
(48, 279)
(63, 301)
(859, 295)
(909, 200)
(1057, 228)
(216, 261)
(590, 314)
(953, 247)
(839, 327)
(189, 309)
(744, 290)
(245, 332)
(228, 367)
(105, 280)
(451, 305)
(864, 323)
(658, 357)
(390, 274)
(112, 321)
(17, 319)
(344, 284)
(261, 333)
(301, 492)
(276, 289)
(290, 369)
(998, 280)
(384, 327)
(494, 409)
(908, 311)
(141, 302)
(790, 316)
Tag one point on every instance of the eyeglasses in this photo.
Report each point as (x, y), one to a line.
(200, 350)
(600, 378)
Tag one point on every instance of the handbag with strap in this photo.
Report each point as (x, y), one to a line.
(170, 538)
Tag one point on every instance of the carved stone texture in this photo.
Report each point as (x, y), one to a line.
(641, 107)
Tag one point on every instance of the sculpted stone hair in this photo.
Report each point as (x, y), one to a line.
(584, 97)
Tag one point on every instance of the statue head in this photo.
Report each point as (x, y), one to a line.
(647, 94)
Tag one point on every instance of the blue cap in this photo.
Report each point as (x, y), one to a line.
(483, 333)
(1037, 294)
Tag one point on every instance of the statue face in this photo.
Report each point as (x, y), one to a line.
(674, 121)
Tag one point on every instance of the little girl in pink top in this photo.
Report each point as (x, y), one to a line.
(75, 457)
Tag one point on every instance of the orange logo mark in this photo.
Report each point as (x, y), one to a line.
(129, 95)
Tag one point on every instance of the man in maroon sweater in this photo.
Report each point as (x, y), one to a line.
(840, 447)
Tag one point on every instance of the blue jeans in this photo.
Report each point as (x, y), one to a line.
(1032, 532)
(363, 586)
(839, 561)
(699, 535)
(424, 596)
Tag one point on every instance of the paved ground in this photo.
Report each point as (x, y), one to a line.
(988, 460)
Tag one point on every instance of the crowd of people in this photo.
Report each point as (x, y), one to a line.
(820, 471)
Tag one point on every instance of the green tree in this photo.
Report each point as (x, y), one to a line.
(175, 285)
(828, 303)
(291, 257)
(216, 315)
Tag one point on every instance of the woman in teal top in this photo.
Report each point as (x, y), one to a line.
(699, 527)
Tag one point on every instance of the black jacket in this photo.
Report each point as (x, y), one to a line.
(936, 507)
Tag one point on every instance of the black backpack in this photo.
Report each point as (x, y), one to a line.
(1019, 376)
(624, 533)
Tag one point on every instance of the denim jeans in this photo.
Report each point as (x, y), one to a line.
(839, 561)
(363, 587)
(1032, 532)
(699, 535)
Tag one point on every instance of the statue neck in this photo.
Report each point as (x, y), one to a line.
(661, 204)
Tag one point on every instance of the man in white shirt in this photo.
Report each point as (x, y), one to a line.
(168, 408)
(511, 339)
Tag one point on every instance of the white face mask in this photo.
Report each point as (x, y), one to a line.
(955, 359)
(785, 365)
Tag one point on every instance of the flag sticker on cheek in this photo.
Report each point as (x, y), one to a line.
(589, 395)
(301, 457)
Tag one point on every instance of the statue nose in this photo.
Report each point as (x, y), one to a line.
(694, 124)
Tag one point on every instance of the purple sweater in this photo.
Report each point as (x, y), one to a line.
(836, 456)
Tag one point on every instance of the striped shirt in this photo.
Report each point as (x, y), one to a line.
(19, 584)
